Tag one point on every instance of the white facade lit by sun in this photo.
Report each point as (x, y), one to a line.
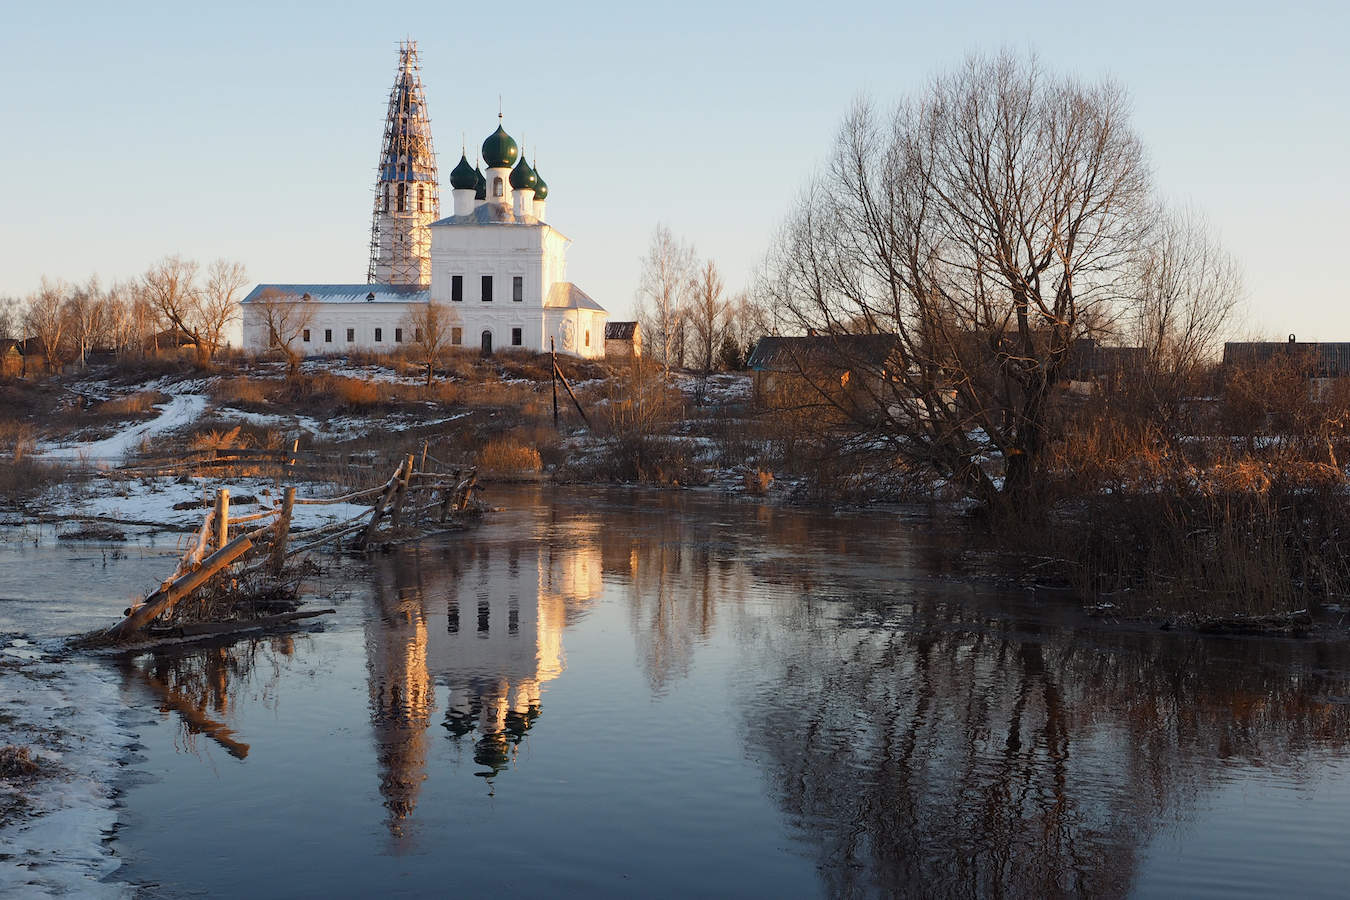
(496, 266)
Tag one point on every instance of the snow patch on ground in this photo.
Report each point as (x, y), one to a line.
(67, 712)
(181, 410)
(153, 500)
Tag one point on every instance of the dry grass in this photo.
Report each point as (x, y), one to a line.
(508, 456)
(18, 762)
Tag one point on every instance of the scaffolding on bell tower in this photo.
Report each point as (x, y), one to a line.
(407, 199)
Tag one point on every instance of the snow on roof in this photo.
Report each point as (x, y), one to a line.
(343, 293)
(566, 295)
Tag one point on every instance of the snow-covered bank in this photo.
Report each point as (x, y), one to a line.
(180, 411)
(54, 832)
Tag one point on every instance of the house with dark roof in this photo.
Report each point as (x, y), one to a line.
(623, 340)
(843, 362)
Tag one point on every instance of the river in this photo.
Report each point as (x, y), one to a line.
(603, 692)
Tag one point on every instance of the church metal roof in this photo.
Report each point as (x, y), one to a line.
(343, 293)
(566, 295)
(490, 214)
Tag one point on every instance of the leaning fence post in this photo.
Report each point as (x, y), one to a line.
(402, 493)
(283, 532)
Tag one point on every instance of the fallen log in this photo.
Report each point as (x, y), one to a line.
(164, 599)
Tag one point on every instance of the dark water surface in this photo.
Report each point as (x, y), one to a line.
(667, 694)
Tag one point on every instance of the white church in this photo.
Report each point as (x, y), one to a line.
(495, 264)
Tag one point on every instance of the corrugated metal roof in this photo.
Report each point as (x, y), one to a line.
(792, 354)
(620, 331)
(566, 295)
(344, 293)
(1329, 359)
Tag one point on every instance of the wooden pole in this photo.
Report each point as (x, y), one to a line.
(402, 493)
(423, 466)
(575, 402)
(448, 495)
(553, 356)
(468, 489)
(283, 532)
(378, 512)
(222, 517)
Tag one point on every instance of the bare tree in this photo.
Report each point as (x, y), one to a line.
(430, 326)
(11, 318)
(979, 225)
(46, 320)
(1188, 290)
(86, 314)
(285, 317)
(218, 305)
(664, 284)
(707, 314)
(171, 288)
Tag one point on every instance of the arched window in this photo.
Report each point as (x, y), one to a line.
(402, 195)
(497, 186)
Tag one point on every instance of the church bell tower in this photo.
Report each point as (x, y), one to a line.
(406, 195)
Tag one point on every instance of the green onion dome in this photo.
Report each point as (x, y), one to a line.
(479, 185)
(523, 177)
(499, 150)
(540, 189)
(462, 176)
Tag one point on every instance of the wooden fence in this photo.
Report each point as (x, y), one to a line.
(405, 505)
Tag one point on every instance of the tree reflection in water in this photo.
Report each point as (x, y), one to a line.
(921, 752)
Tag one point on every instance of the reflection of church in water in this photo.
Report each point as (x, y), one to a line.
(483, 624)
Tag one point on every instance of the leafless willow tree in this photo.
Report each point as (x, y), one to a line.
(430, 326)
(170, 286)
(285, 317)
(982, 223)
(662, 290)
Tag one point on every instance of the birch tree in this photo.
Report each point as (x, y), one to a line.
(707, 313)
(662, 289)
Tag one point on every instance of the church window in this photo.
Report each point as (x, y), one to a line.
(497, 186)
(487, 288)
(328, 335)
(305, 337)
(386, 198)
(588, 337)
(398, 335)
(517, 288)
(456, 336)
(402, 195)
(417, 335)
(379, 335)
(456, 288)
(515, 337)
(351, 335)
(421, 205)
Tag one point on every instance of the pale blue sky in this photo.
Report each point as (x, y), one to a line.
(252, 131)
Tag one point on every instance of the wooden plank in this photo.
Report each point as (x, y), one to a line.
(402, 495)
(164, 599)
(378, 512)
